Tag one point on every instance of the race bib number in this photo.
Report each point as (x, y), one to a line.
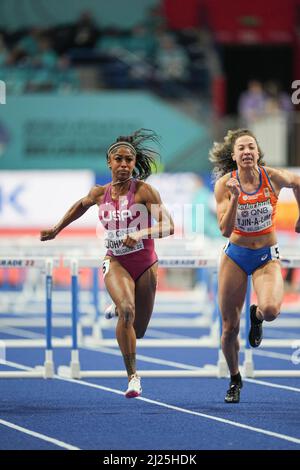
(275, 252)
(114, 242)
(254, 217)
(105, 267)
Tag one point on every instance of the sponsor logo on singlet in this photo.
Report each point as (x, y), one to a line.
(254, 217)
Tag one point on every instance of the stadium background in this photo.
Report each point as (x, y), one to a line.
(77, 74)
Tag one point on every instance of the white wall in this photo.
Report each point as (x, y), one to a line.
(39, 199)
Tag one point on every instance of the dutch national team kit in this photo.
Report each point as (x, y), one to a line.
(255, 217)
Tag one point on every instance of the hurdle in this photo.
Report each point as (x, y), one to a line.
(47, 369)
(74, 370)
(249, 371)
(209, 370)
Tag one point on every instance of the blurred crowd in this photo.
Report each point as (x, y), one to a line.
(262, 100)
(149, 56)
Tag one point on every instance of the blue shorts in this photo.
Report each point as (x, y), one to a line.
(249, 260)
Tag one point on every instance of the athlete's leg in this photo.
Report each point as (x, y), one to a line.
(232, 291)
(121, 289)
(145, 289)
(268, 285)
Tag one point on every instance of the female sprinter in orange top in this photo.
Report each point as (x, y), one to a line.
(130, 265)
(246, 192)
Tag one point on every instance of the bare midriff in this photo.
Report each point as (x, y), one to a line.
(255, 242)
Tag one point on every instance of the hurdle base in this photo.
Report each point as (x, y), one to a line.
(73, 370)
(48, 369)
(276, 373)
(248, 365)
(37, 372)
(222, 366)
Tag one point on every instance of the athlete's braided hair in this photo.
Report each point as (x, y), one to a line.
(221, 153)
(145, 156)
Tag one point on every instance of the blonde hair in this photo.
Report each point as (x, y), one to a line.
(221, 153)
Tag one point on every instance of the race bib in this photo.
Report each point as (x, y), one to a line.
(114, 242)
(254, 217)
(105, 267)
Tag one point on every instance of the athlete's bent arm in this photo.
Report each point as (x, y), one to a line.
(164, 226)
(286, 179)
(227, 195)
(76, 211)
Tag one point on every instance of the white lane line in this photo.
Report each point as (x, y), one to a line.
(274, 355)
(180, 365)
(270, 384)
(141, 357)
(194, 413)
(28, 431)
(175, 408)
(38, 435)
(19, 332)
(272, 333)
(161, 334)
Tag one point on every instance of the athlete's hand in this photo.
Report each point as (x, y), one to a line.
(234, 186)
(131, 239)
(297, 227)
(48, 234)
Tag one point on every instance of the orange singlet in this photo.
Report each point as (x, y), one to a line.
(256, 211)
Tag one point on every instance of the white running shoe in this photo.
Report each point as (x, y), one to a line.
(134, 387)
(110, 312)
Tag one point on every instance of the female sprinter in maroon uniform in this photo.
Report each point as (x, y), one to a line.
(126, 206)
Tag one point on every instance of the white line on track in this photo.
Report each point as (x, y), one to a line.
(284, 437)
(179, 365)
(194, 413)
(38, 435)
(19, 332)
(141, 357)
(270, 384)
(273, 355)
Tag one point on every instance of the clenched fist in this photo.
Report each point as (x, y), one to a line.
(131, 239)
(48, 234)
(234, 186)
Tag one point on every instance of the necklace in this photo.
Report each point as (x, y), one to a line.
(121, 182)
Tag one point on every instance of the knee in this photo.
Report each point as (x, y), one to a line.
(230, 330)
(270, 312)
(126, 312)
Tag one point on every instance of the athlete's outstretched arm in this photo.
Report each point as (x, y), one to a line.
(286, 179)
(76, 211)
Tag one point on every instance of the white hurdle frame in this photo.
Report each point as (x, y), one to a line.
(210, 370)
(74, 370)
(41, 371)
(249, 370)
